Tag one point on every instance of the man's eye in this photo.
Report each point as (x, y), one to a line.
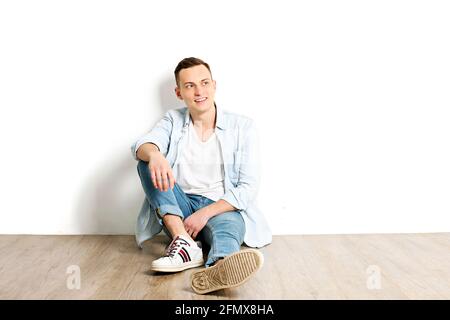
(205, 83)
(189, 85)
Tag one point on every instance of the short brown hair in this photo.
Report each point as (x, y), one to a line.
(187, 63)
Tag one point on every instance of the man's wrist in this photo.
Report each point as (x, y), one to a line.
(208, 211)
(152, 152)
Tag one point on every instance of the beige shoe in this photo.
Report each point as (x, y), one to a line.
(229, 272)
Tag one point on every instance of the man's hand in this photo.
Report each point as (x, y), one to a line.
(161, 172)
(195, 222)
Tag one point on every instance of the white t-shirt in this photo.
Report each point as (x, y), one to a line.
(200, 167)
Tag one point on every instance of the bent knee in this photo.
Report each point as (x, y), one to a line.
(228, 224)
(144, 174)
(142, 166)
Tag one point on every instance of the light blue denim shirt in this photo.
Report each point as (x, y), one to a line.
(239, 144)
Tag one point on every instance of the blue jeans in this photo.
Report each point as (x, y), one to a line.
(223, 233)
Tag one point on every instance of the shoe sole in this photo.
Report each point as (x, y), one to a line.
(184, 266)
(232, 271)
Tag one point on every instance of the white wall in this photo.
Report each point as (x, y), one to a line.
(352, 98)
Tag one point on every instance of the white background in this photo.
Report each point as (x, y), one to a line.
(351, 98)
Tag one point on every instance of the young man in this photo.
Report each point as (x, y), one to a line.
(199, 169)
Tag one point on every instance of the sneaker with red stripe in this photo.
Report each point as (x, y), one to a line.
(180, 255)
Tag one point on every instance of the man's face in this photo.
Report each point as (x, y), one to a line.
(196, 88)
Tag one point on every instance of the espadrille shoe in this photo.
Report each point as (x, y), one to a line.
(229, 272)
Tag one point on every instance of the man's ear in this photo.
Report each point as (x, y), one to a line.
(177, 93)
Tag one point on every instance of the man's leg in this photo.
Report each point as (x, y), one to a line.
(225, 234)
(171, 207)
(171, 201)
(175, 226)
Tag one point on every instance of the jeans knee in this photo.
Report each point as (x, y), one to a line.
(144, 174)
(142, 166)
(231, 228)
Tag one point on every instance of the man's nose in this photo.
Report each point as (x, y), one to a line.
(198, 91)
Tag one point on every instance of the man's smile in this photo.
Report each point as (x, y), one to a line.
(200, 100)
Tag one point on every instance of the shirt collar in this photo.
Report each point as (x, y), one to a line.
(220, 121)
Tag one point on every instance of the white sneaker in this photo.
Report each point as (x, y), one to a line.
(180, 255)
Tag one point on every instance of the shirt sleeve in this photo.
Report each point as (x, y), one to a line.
(246, 189)
(159, 135)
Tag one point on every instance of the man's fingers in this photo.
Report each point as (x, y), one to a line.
(165, 183)
(187, 228)
(162, 179)
(191, 231)
(161, 173)
(171, 179)
(156, 177)
(158, 180)
(153, 177)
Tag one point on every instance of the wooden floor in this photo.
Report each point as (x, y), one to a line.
(375, 266)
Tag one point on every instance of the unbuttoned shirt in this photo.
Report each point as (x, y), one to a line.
(239, 144)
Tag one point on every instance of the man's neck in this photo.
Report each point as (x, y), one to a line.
(205, 120)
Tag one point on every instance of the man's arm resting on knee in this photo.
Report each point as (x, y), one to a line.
(218, 207)
(196, 221)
